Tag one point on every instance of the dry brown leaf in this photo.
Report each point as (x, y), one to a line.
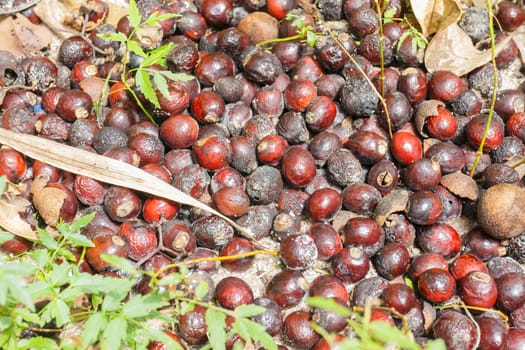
(452, 49)
(47, 200)
(10, 220)
(393, 202)
(55, 13)
(461, 185)
(23, 38)
(434, 15)
(105, 169)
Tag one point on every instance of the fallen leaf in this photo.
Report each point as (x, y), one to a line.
(434, 15)
(461, 185)
(55, 14)
(10, 220)
(395, 201)
(105, 169)
(23, 38)
(452, 49)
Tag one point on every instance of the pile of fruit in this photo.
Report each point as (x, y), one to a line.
(367, 199)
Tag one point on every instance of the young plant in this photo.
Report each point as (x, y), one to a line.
(305, 32)
(370, 334)
(152, 72)
(44, 291)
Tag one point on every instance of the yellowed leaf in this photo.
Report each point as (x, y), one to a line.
(452, 49)
(434, 15)
(10, 219)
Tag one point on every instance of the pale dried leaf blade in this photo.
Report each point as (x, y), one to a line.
(394, 202)
(433, 15)
(11, 221)
(452, 49)
(461, 185)
(111, 171)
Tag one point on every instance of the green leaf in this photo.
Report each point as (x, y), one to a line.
(56, 310)
(40, 289)
(155, 18)
(5, 236)
(5, 322)
(141, 306)
(201, 290)
(46, 239)
(157, 56)
(119, 262)
(62, 313)
(389, 334)
(240, 326)
(215, 324)
(59, 275)
(436, 344)
(143, 82)
(18, 268)
(28, 316)
(176, 76)
(17, 289)
(114, 334)
(258, 333)
(134, 14)
(186, 307)
(113, 299)
(81, 222)
(41, 257)
(70, 293)
(39, 342)
(311, 37)
(329, 304)
(161, 84)
(118, 37)
(249, 310)
(95, 283)
(409, 282)
(93, 327)
(388, 15)
(80, 240)
(134, 47)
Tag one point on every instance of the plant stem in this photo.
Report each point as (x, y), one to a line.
(280, 40)
(494, 89)
(363, 73)
(217, 258)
